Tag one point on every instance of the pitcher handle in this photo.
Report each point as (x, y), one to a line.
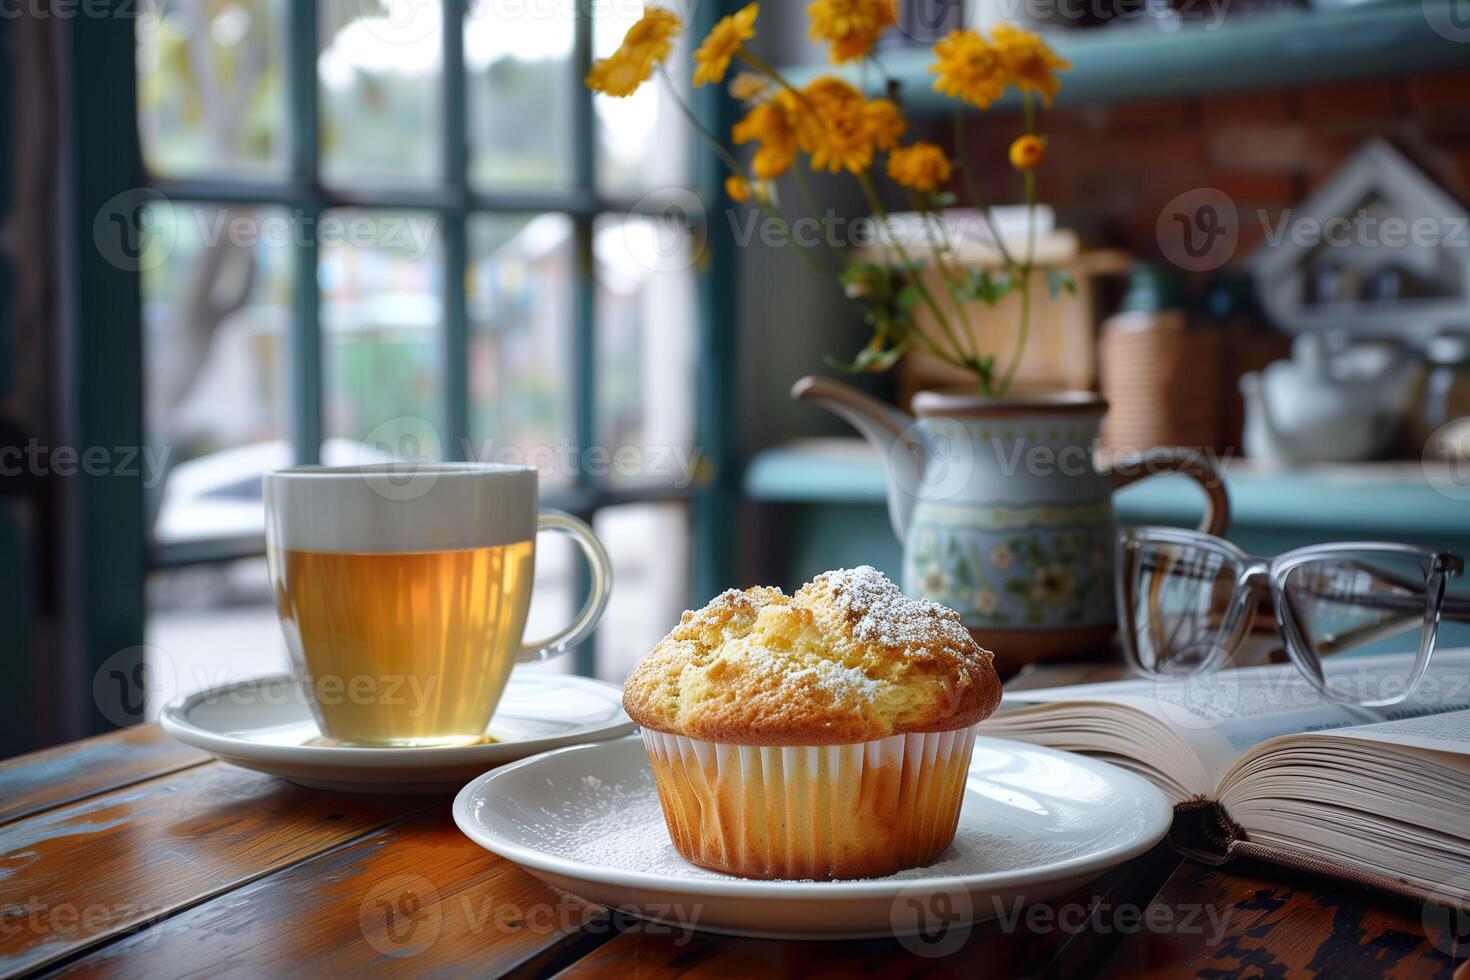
(602, 573)
(1129, 468)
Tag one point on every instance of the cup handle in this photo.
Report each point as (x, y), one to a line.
(602, 573)
(1129, 468)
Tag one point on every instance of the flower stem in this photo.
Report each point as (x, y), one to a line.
(804, 187)
(1025, 284)
(774, 75)
(951, 279)
(865, 181)
(973, 187)
(735, 166)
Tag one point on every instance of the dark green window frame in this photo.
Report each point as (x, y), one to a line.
(712, 496)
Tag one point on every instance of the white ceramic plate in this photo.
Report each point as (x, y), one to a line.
(264, 723)
(1036, 824)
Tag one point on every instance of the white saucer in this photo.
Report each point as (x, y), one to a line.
(1036, 824)
(264, 723)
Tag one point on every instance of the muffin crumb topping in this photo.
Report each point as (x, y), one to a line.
(847, 658)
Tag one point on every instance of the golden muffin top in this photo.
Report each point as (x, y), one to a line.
(848, 658)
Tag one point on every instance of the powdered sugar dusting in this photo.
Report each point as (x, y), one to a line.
(835, 679)
(882, 614)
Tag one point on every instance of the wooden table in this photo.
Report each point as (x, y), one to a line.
(132, 855)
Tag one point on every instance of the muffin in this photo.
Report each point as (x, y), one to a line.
(821, 735)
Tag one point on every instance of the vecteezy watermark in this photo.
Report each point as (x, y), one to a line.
(416, 21)
(63, 921)
(137, 230)
(1102, 917)
(1446, 460)
(1362, 229)
(144, 13)
(404, 914)
(929, 20)
(837, 231)
(1197, 701)
(666, 230)
(401, 915)
(1450, 19)
(400, 459)
(676, 465)
(1212, 698)
(935, 922)
(932, 921)
(126, 684)
(40, 460)
(128, 681)
(936, 458)
(1199, 230)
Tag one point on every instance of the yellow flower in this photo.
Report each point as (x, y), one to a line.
(748, 86)
(969, 69)
(922, 167)
(1027, 151)
(834, 126)
(1051, 585)
(646, 44)
(722, 43)
(771, 124)
(851, 26)
(618, 75)
(738, 188)
(1028, 61)
(885, 123)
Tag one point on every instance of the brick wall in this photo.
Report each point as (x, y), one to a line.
(1110, 170)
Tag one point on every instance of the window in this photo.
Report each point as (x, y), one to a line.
(404, 228)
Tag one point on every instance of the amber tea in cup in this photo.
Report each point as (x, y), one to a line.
(403, 593)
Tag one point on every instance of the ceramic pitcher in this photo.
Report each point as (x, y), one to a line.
(1004, 515)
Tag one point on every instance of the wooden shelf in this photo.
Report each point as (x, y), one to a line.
(1128, 64)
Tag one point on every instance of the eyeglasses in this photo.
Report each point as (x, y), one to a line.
(1187, 600)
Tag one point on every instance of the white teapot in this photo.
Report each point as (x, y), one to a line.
(1323, 406)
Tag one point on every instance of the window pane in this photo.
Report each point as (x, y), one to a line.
(557, 559)
(643, 140)
(382, 317)
(521, 90)
(216, 304)
(210, 625)
(380, 72)
(649, 544)
(211, 92)
(645, 349)
(520, 305)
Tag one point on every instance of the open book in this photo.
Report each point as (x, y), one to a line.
(1259, 764)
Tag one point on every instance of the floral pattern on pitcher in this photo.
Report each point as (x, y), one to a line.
(1015, 577)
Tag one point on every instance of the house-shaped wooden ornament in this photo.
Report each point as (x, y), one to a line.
(1379, 250)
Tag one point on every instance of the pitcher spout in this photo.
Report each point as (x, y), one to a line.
(889, 430)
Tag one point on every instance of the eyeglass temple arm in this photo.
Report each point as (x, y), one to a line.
(1456, 608)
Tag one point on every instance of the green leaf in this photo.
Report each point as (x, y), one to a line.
(870, 281)
(907, 297)
(1058, 280)
(987, 287)
(871, 360)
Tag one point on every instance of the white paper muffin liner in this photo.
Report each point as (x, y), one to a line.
(862, 810)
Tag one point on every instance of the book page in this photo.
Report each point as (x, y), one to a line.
(1221, 714)
(1435, 733)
